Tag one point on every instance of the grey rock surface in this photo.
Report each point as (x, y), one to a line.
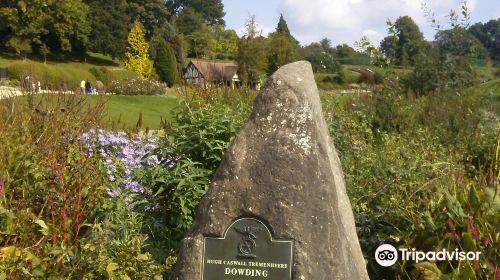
(283, 168)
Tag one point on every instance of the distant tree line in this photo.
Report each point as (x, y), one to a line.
(405, 42)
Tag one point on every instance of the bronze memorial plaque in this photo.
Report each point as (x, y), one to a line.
(247, 251)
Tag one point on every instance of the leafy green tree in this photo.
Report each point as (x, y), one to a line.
(212, 11)
(167, 32)
(489, 36)
(137, 55)
(21, 46)
(226, 42)
(252, 54)
(109, 26)
(409, 41)
(320, 57)
(61, 25)
(201, 43)
(447, 67)
(346, 54)
(189, 21)
(389, 46)
(281, 51)
(201, 40)
(326, 44)
(165, 64)
(152, 14)
(458, 42)
(282, 47)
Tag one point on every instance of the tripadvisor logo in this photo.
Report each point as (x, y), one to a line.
(386, 255)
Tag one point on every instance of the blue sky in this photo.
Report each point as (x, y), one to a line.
(345, 21)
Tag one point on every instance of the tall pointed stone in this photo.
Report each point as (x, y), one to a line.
(283, 171)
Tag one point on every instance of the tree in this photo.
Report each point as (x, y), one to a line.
(167, 32)
(447, 67)
(109, 26)
(201, 43)
(282, 48)
(458, 42)
(489, 36)
(282, 27)
(20, 46)
(320, 57)
(136, 57)
(61, 25)
(44, 51)
(152, 14)
(198, 36)
(226, 42)
(389, 46)
(212, 11)
(252, 54)
(189, 21)
(326, 44)
(405, 41)
(346, 54)
(178, 47)
(251, 30)
(165, 64)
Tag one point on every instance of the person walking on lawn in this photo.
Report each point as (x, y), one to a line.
(82, 87)
(88, 88)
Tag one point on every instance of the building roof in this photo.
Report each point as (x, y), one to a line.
(216, 71)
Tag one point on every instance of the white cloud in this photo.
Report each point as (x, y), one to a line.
(345, 21)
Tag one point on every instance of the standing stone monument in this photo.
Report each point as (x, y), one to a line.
(277, 208)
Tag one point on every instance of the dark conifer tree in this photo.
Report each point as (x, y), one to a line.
(165, 64)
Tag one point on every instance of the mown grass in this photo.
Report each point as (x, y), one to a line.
(123, 112)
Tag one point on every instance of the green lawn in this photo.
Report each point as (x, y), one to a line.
(122, 112)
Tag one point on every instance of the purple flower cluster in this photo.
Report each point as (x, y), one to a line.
(122, 155)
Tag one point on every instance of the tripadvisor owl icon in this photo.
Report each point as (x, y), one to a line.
(386, 255)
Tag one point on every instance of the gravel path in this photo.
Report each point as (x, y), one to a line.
(9, 91)
(6, 91)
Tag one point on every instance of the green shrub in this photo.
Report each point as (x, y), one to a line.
(99, 74)
(116, 248)
(378, 78)
(402, 161)
(173, 193)
(203, 128)
(57, 220)
(137, 86)
(367, 77)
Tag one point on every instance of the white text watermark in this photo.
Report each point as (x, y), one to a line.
(387, 255)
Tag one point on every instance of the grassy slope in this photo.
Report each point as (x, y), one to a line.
(124, 111)
(71, 71)
(491, 92)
